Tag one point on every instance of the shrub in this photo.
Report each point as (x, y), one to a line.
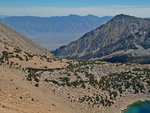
(36, 85)
(17, 50)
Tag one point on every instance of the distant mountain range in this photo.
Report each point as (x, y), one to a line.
(52, 32)
(124, 38)
(3, 16)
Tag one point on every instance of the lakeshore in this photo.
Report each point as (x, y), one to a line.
(122, 103)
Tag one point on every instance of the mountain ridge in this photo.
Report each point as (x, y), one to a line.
(96, 41)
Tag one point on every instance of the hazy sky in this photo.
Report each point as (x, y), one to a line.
(139, 8)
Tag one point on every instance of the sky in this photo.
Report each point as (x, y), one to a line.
(140, 8)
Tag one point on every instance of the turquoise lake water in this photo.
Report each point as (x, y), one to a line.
(139, 107)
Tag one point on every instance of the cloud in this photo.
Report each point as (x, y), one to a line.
(59, 11)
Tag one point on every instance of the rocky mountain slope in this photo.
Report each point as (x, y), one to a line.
(54, 31)
(18, 94)
(122, 34)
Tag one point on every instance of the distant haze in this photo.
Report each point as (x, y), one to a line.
(53, 32)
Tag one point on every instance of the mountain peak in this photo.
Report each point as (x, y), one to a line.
(90, 15)
(73, 15)
(123, 16)
(125, 19)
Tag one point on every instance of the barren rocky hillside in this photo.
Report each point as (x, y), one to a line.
(17, 94)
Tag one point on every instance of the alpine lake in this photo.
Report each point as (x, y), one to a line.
(138, 107)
